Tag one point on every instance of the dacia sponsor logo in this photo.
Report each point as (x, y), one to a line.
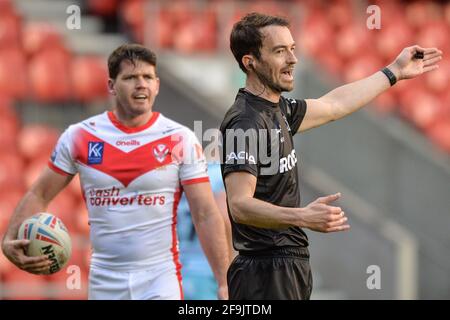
(235, 157)
(127, 143)
(288, 163)
(95, 152)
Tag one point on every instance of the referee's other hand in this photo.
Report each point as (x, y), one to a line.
(320, 216)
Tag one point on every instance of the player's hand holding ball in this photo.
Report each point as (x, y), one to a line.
(43, 245)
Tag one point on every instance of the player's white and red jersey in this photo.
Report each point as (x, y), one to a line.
(131, 180)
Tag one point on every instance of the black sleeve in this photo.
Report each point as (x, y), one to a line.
(240, 146)
(296, 110)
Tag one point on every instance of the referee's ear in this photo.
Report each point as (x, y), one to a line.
(248, 62)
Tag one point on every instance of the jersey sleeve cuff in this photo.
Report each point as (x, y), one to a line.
(58, 170)
(193, 181)
(239, 168)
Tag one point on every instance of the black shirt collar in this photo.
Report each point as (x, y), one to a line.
(261, 102)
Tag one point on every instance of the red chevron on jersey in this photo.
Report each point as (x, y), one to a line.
(131, 180)
(127, 166)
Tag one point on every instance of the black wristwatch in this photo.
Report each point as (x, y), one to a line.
(391, 76)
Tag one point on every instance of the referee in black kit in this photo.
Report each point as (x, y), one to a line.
(260, 163)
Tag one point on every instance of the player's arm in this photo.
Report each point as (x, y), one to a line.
(48, 185)
(221, 201)
(349, 98)
(245, 209)
(211, 231)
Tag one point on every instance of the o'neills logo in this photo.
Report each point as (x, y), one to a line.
(128, 143)
(111, 197)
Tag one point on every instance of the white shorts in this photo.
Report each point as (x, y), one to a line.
(158, 283)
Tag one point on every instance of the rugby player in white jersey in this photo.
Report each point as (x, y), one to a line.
(134, 164)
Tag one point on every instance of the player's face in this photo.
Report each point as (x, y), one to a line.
(135, 87)
(275, 68)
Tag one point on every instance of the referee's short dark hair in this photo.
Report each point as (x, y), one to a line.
(132, 52)
(246, 37)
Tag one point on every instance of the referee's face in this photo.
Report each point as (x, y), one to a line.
(135, 87)
(275, 68)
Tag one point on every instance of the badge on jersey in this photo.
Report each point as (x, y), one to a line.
(160, 152)
(95, 152)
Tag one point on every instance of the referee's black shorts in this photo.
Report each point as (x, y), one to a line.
(281, 274)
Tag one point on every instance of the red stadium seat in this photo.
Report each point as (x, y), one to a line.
(9, 199)
(49, 79)
(352, 41)
(315, 34)
(392, 38)
(423, 109)
(10, 26)
(438, 80)
(37, 141)
(417, 14)
(103, 7)
(434, 34)
(11, 170)
(445, 96)
(185, 39)
(13, 78)
(447, 13)
(362, 67)
(133, 12)
(339, 13)
(38, 36)
(7, 6)
(206, 30)
(163, 29)
(89, 78)
(5, 265)
(9, 124)
(34, 170)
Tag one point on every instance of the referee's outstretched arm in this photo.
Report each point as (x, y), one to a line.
(342, 101)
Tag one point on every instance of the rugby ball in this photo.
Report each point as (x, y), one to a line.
(48, 236)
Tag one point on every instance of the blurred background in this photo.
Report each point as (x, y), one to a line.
(390, 161)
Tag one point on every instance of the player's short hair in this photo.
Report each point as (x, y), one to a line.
(246, 37)
(132, 52)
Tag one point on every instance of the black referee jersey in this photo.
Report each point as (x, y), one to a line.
(257, 138)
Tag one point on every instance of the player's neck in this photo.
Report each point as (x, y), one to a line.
(132, 121)
(254, 86)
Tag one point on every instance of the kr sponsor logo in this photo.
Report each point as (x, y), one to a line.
(95, 152)
(160, 152)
